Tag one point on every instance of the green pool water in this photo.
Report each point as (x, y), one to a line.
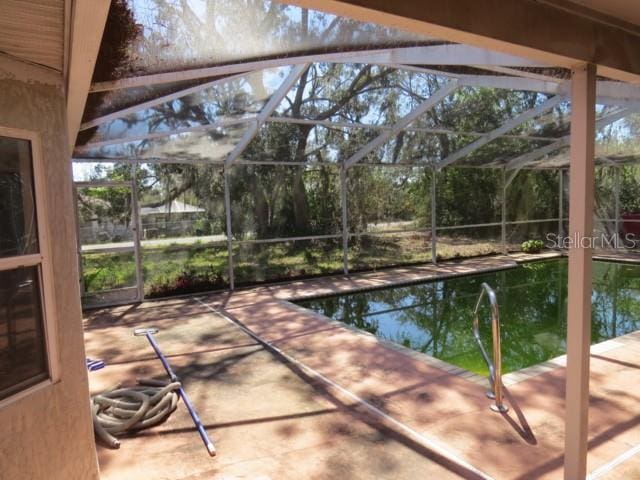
(436, 317)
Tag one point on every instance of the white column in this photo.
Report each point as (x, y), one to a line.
(434, 218)
(581, 198)
(503, 215)
(616, 192)
(227, 211)
(560, 203)
(137, 231)
(345, 225)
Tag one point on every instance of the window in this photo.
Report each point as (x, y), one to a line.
(25, 330)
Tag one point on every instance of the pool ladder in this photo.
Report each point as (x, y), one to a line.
(495, 365)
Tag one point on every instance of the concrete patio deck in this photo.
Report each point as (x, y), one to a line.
(268, 420)
(273, 418)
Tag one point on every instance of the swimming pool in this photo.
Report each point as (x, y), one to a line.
(435, 317)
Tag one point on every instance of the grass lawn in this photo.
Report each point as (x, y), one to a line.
(175, 269)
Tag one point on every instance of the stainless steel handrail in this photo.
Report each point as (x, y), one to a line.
(495, 366)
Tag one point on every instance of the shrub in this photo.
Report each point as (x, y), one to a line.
(532, 246)
(188, 282)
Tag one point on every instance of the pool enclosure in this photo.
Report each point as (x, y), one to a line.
(315, 144)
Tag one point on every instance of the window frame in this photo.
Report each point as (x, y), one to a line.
(42, 260)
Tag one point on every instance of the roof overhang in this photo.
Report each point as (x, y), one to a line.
(545, 31)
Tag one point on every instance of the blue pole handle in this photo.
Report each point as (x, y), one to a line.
(183, 394)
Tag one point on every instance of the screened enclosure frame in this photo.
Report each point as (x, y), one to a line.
(345, 234)
(490, 70)
(136, 241)
(625, 98)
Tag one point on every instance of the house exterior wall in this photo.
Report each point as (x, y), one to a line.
(48, 433)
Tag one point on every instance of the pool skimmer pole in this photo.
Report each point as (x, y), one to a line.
(148, 332)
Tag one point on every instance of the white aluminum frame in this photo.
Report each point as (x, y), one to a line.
(253, 119)
(277, 97)
(345, 234)
(42, 259)
(227, 215)
(156, 101)
(503, 212)
(616, 193)
(345, 213)
(153, 135)
(135, 248)
(564, 141)
(560, 202)
(503, 129)
(446, 54)
(416, 59)
(610, 92)
(434, 216)
(447, 131)
(416, 113)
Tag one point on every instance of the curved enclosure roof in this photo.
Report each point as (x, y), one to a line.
(223, 81)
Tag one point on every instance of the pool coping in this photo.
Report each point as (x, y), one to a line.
(423, 357)
(509, 379)
(510, 261)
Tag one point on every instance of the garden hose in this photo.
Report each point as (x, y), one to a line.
(121, 410)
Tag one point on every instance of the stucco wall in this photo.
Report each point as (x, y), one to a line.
(48, 434)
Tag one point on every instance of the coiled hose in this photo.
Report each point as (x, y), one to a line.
(121, 410)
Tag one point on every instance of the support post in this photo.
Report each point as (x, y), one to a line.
(560, 203)
(616, 192)
(503, 219)
(83, 287)
(581, 197)
(434, 235)
(345, 226)
(137, 231)
(227, 211)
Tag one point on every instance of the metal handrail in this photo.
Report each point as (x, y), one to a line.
(495, 366)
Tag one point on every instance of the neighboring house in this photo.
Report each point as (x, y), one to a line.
(98, 224)
(170, 219)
